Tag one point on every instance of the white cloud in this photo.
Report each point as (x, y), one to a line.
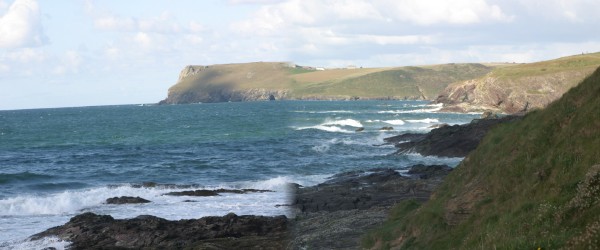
(4, 68)
(21, 26)
(271, 19)
(70, 62)
(26, 55)
(428, 12)
(253, 1)
(163, 24)
(3, 5)
(115, 24)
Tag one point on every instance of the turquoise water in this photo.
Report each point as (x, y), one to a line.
(55, 163)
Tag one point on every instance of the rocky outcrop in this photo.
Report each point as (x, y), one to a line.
(204, 192)
(509, 94)
(337, 213)
(92, 231)
(447, 141)
(126, 200)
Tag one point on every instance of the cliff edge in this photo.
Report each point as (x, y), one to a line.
(519, 88)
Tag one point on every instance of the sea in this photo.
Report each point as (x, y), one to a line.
(57, 163)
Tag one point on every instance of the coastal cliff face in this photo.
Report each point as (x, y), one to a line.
(216, 94)
(508, 95)
(230, 83)
(519, 88)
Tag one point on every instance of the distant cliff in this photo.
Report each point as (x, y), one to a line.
(521, 87)
(280, 81)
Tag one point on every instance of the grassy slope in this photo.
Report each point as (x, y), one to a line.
(338, 83)
(404, 82)
(529, 184)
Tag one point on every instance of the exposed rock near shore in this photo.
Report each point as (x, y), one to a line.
(335, 214)
(92, 231)
(204, 192)
(126, 200)
(448, 141)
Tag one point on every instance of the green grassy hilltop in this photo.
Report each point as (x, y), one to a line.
(276, 80)
(530, 183)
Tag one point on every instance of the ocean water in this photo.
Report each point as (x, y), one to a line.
(57, 163)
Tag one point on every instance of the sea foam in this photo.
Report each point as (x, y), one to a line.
(426, 120)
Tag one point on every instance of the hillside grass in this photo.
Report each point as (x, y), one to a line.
(577, 62)
(402, 82)
(530, 184)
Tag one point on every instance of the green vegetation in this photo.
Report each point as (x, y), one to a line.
(406, 82)
(531, 183)
(563, 64)
(204, 83)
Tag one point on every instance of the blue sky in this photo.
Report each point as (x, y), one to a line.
(59, 53)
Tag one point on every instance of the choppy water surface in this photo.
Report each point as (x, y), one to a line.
(56, 163)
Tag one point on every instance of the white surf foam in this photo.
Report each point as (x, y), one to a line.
(326, 128)
(394, 122)
(346, 122)
(435, 108)
(433, 160)
(43, 243)
(426, 120)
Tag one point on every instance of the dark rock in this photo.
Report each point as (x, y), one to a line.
(126, 200)
(429, 171)
(404, 138)
(359, 129)
(449, 141)
(194, 193)
(362, 190)
(241, 191)
(337, 213)
(204, 192)
(489, 115)
(386, 128)
(439, 125)
(91, 231)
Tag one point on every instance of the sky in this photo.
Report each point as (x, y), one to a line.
(65, 53)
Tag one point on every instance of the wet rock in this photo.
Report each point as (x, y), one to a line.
(92, 231)
(489, 115)
(126, 200)
(337, 213)
(359, 129)
(201, 192)
(448, 141)
(440, 125)
(204, 192)
(386, 128)
(362, 190)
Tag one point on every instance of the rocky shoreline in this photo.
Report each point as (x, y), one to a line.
(332, 215)
(337, 213)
